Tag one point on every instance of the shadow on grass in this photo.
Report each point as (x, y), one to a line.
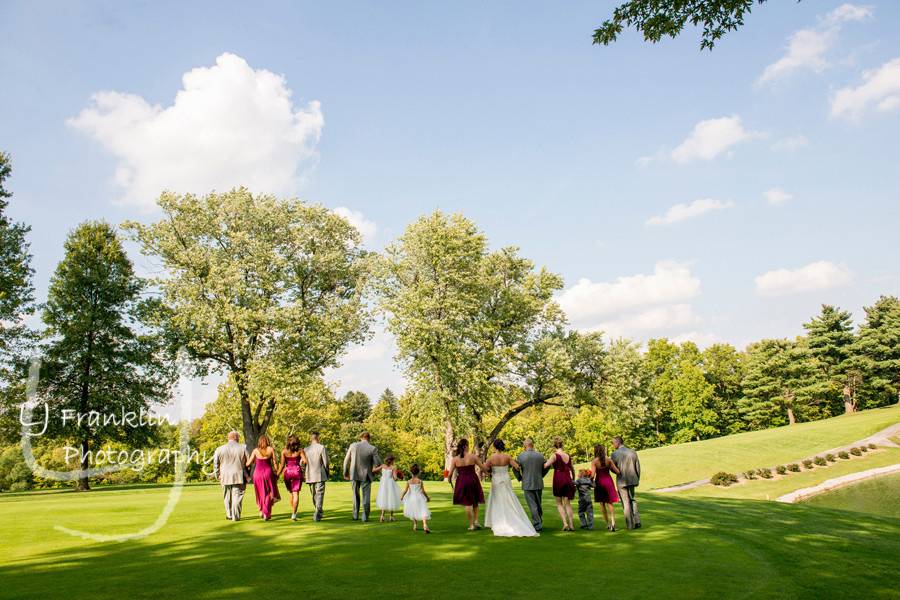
(688, 548)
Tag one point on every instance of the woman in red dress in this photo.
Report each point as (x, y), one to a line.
(467, 490)
(563, 484)
(605, 488)
(292, 459)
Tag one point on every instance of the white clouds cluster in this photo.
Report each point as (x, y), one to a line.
(880, 89)
(366, 228)
(820, 275)
(682, 212)
(776, 196)
(710, 138)
(230, 125)
(807, 48)
(635, 304)
(790, 143)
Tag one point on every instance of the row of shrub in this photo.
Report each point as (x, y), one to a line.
(725, 479)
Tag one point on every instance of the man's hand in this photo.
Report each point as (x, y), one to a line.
(346, 478)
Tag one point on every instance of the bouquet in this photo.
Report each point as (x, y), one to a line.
(399, 474)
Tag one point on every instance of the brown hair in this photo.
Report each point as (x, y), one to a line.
(461, 446)
(557, 442)
(263, 442)
(389, 459)
(499, 445)
(600, 454)
(414, 470)
(293, 443)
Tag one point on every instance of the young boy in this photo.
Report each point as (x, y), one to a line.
(585, 485)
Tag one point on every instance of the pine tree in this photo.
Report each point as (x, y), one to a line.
(876, 353)
(96, 357)
(774, 387)
(829, 343)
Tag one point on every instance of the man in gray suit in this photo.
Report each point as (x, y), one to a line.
(361, 458)
(230, 468)
(316, 472)
(629, 477)
(532, 474)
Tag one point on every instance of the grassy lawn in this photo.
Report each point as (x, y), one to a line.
(877, 496)
(682, 463)
(688, 548)
(769, 489)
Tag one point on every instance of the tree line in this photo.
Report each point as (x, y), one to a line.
(271, 292)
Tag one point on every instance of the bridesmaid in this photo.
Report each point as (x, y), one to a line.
(264, 477)
(605, 490)
(467, 491)
(292, 459)
(563, 484)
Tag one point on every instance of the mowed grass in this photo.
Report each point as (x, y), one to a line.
(688, 548)
(877, 496)
(682, 463)
(770, 489)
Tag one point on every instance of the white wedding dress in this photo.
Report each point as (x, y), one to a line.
(504, 515)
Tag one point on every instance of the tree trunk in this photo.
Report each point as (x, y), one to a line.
(84, 483)
(448, 444)
(792, 420)
(849, 404)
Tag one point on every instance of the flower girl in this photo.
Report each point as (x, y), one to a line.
(388, 499)
(415, 500)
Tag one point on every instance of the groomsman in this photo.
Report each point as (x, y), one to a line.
(316, 473)
(230, 468)
(629, 477)
(532, 468)
(362, 457)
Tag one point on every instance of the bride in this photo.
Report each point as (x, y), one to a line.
(504, 515)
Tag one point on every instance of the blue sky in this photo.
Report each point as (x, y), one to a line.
(780, 145)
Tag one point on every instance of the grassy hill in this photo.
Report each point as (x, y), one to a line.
(877, 496)
(688, 548)
(681, 463)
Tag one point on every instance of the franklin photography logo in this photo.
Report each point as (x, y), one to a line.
(36, 419)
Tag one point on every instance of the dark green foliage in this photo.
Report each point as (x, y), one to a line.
(864, 448)
(723, 479)
(843, 455)
(781, 469)
(876, 354)
(751, 474)
(808, 463)
(765, 473)
(872, 447)
(820, 461)
(830, 457)
(656, 19)
(794, 468)
(855, 451)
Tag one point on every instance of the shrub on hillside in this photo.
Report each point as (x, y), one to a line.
(830, 457)
(765, 473)
(723, 479)
(873, 446)
(843, 454)
(794, 467)
(808, 463)
(855, 451)
(781, 469)
(821, 462)
(864, 448)
(751, 474)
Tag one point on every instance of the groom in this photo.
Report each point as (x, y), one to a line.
(229, 467)
(361, 458)
(629, 477)
(532, 474)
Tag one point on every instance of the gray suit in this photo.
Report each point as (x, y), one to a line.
(361, 458)
(316, 475)
(533, 471)
(230, 468)
(629, 477)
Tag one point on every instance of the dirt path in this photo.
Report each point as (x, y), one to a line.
(837, 482)
(881, 438)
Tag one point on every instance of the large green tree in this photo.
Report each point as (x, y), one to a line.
(255, 285)
(876, 354)
(656, 19)
(829, 344)
(16, 291)
(775, 385)
(459, 311)
(723, 366)
(98, 357)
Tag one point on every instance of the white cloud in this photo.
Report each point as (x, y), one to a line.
(700, 338)
(682, 212)
(710, 138)
(807, 48)
(880, 88)
(366, 228)
(657, 319)
(790, 143)
(820, 275)
(776, 196)
(670, 283)
(229, 125)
